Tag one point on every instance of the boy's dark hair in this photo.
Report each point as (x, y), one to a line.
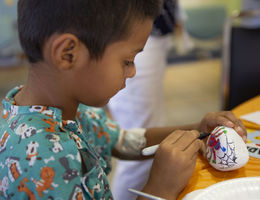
(96, 23)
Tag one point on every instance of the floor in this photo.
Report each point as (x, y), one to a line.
(191, 90)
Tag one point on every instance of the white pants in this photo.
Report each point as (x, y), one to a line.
(140, 104)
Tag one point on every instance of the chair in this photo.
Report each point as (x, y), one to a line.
(205, 25)
(205, 22)
(240, 79)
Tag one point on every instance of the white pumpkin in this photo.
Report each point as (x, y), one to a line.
(226, 150)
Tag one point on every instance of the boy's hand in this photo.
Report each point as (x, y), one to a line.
(173, 164)
(225, 118)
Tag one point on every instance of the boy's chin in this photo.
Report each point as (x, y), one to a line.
(102, 104)
(123, 86)
(96, 104)
(105, 101)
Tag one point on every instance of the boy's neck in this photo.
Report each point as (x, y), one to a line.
(44, 90)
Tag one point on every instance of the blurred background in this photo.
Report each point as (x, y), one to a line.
(217, 42)
(213, 62)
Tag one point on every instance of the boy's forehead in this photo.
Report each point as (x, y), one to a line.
(139, 33)
(133, 43)
(140, 27)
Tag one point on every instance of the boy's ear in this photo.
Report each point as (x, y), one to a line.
(64, 51)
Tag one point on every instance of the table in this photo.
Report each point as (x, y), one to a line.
(205, 175)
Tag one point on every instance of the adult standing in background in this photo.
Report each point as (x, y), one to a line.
(140, 104)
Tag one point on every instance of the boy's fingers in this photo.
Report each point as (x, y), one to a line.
(194, 157)
(240, 128)
(241, 131)
(172, 138)
(186, 140)
(230, 116)
(238, 125)
(194, 148)
(222, 120)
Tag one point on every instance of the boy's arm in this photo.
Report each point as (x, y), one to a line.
(208, 123)
(157, 135)
(151, 136)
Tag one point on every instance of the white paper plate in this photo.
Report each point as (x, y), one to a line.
(234, 189)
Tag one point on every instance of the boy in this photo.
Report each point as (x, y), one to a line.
(53, 146)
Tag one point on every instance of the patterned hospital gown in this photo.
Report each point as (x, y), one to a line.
(42, 156)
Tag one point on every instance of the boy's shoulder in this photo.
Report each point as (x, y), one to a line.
(34, 140)
(28, 132)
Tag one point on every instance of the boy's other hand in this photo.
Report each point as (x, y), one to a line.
(173, 164)
(224, 118)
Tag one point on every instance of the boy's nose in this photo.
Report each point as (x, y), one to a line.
(131, 71)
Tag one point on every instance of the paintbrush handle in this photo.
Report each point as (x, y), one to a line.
(149, 196)
(148, 151)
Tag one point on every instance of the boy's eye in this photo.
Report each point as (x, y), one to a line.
(129, 63)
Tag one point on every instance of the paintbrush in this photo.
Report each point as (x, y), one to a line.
(148, 151)
(148, 196)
